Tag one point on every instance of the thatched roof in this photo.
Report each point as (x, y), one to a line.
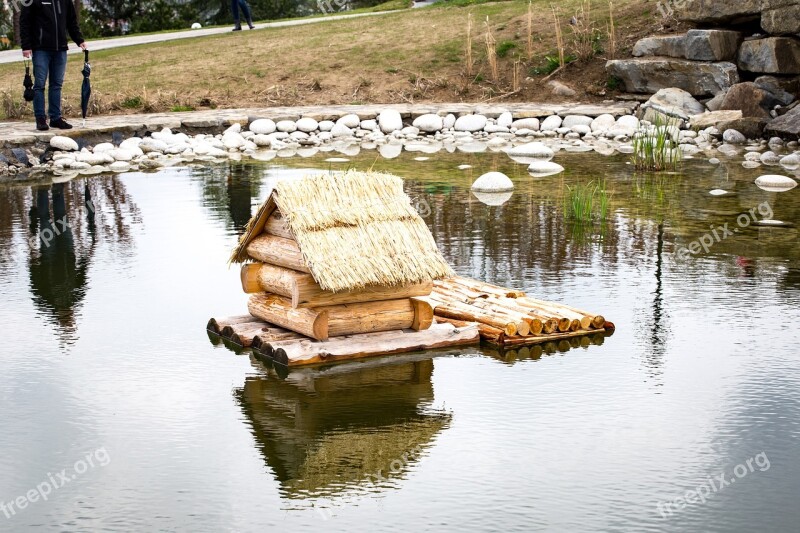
(354, 229)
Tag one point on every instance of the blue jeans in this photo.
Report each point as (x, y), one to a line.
(235, 5)
(47, 62)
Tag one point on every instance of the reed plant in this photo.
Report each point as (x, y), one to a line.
(529, 43)
(559, 38)
(491, 52)
(612, 32)
(654, 149)
(468, 48)
(587, 203)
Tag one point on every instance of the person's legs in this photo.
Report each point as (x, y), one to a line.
(58, 64)
(41, 67)
(246, 11)
(237, 25)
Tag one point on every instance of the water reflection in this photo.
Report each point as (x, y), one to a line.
(63, 226)
(230, 191)
(346, 429)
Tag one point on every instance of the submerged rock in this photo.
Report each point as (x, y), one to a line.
(775, 183)
(544, 168)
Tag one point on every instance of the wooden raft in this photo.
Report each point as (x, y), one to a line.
(466, 311)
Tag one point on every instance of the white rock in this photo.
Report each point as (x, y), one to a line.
(233, 128)
(59, 142)
(341, 130)
(263, 126)
(390, 120)
(603, 123)
(751, 164)
(119, 166)
(325, 136)
(775, 183)
(152, 145)
(79, 165)
(733, 137)
(369, 125)
(449, 121)
(464, 167)
(505, 119)
(298, 135)
(628, 123)
(470, 123)
(717, 192)
(103, 147)
(581, 129)
(497, 142)
(544, 168)
(429, 123)
(307, 124)
(524, 132)
(287, 126)
(791, 162)
(770, 158)
(530, 152)
(494, 128)
(351, 121)
(576, 120)
(337, 160)
(262, 140)
(410, 131)
(421, 158)
(493, 182)
(326, 125)
(232, 140)
(714, 161)
(102, 158)
(121, 154)
(551, 123)
(527, 124)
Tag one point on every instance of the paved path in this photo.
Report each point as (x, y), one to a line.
(16, 133)
(11, 56)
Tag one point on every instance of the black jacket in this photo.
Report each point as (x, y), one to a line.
(44, 25)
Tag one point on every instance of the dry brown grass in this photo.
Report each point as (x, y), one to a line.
(415, 55)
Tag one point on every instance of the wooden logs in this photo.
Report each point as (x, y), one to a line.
(587, 319)
(488, 333)
(276, 225)
(216, 325)
(277, 251)
(347, 319)
(277, 310)
(303, 291)
(305, 352)
(458, 311)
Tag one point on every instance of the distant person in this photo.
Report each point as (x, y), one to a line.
(235, 6)
(43, 29)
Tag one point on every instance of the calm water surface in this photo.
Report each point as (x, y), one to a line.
(113, 393)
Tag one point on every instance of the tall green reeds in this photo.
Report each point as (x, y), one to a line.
(587, 203)
(655, 149)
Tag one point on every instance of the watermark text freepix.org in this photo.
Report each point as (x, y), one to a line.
(55, 481)
(712, 485)
(47, 234)
(720, 233)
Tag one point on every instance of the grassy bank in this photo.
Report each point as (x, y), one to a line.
(406, 56)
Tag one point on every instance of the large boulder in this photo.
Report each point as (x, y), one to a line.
(650, 75)
(782, 89)
(671, 103)
(712, 45)
(714, 11)
(750, 99)
(787, 125)
(782, 21)
(717, 119)
(773, 55)
(661, 45)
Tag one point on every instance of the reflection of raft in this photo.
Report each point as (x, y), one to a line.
(341, 266)
(327, 432)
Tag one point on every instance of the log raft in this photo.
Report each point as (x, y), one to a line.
(452, 312)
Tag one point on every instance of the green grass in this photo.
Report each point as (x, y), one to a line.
(505, 47)
(654, 149)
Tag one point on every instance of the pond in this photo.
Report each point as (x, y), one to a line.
(686, 419)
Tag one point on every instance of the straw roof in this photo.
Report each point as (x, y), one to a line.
(354, 229)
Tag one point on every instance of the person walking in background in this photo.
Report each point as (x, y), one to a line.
(43, 27)
(235, 6)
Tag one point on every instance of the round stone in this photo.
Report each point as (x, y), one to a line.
(60, 142)
(470, 123)
(505, 119)
(551, 123)
(262, 126)
(733, 137)
(775, 183)
(389, 120)
(544, 168)
(429, 123)
(307, 124)
(493, 182)
(531, 124)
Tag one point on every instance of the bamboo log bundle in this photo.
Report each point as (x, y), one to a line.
(274, 334)
(587, 319)
(479, 286)
(306, 352)
(347, 319)
(301, 288)
(459, 311)
(487, 332)
(216, 325)
(277, 251)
